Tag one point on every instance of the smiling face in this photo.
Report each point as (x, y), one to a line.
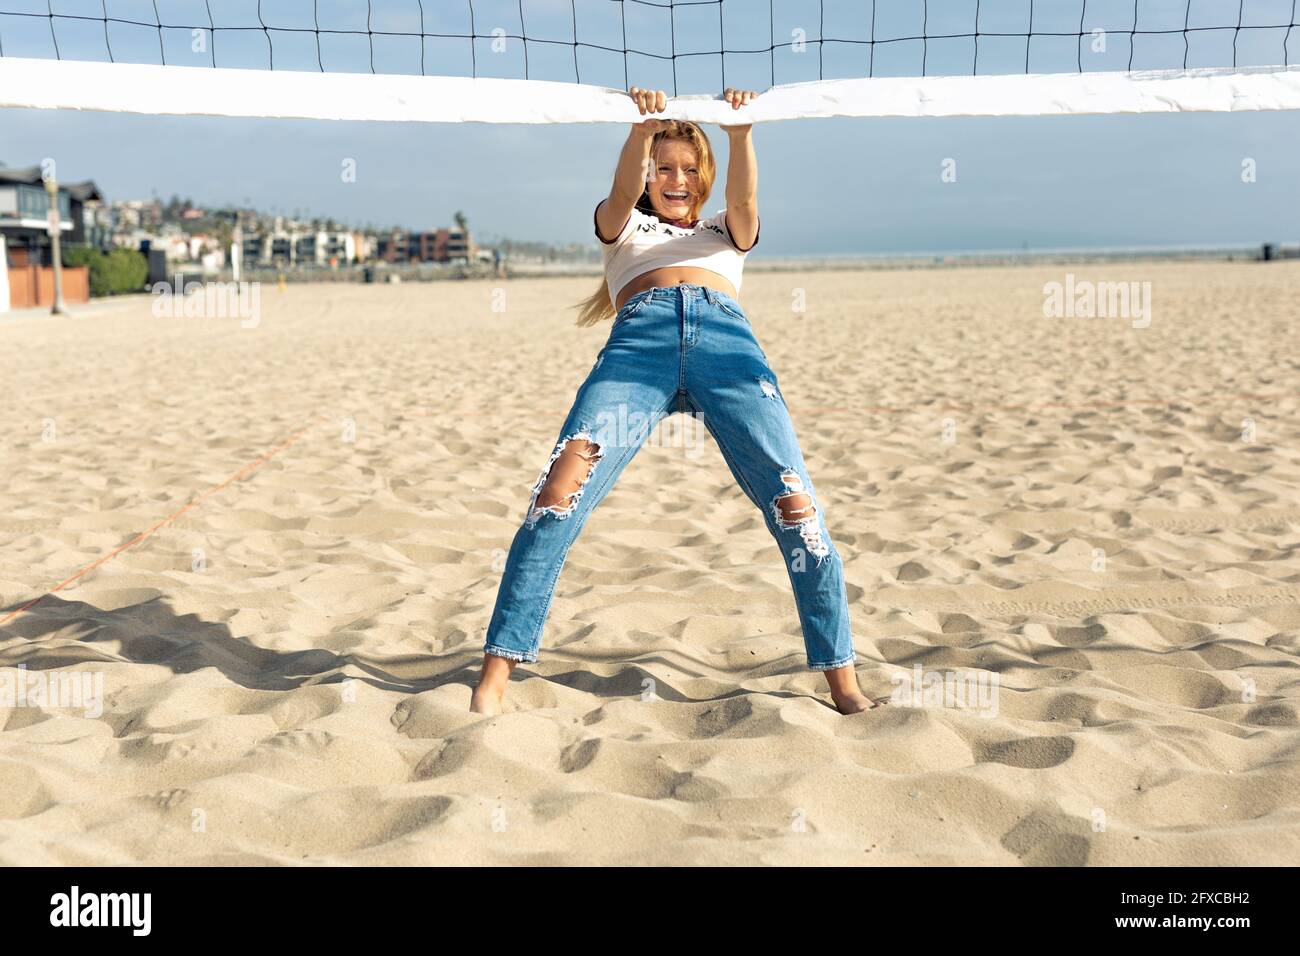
(676, 191)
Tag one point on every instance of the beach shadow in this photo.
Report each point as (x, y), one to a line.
(63, 633)
(633, 680)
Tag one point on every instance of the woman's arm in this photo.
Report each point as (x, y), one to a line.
(742, 177)
(631, 174)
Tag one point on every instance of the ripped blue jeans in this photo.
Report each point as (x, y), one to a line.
(682, 348)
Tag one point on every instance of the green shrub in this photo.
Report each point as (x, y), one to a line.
(128, 270)
(121, 270)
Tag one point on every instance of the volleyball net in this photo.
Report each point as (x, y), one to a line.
(558, 61)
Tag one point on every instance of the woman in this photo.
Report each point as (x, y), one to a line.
(680, 342)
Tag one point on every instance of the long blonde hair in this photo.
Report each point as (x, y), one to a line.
(597, 307)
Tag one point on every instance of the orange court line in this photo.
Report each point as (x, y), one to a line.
(242, 473)
(870, 409)
(1116, 403)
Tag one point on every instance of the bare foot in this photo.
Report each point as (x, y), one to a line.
(856, 703)
(485, 701)
(848, 697)
(491, 689)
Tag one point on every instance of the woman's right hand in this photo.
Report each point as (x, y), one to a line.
(650, 101)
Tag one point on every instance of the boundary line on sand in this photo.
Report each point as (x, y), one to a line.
(1068, 406)
(192, 503)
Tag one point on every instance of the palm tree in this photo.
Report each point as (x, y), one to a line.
(461, 223)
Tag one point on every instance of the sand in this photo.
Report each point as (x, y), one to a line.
(1102, 518)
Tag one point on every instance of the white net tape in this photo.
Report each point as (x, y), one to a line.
(214, 91)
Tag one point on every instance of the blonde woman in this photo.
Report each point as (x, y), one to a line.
(680, 342)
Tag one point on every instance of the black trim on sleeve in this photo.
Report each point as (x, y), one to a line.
(594, 222)
(758, 227)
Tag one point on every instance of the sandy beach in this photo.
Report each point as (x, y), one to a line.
(279, 542)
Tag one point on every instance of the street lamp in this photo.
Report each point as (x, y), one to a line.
(55, 227)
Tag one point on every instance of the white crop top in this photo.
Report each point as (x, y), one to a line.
(648, 242)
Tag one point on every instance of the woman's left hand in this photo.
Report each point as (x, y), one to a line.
(737, 99)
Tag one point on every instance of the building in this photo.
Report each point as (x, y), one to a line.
(91, 224)
(455, 244)
(25, 239)
(267, 249)
(24, 213)
(138, 214)
(24, 210)
(364, 245)
(324, 248)
(281, 248)
(255, 248)
(440, 245)
(394, 246)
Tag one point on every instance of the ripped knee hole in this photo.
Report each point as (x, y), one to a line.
(794, 508)
(568, 474)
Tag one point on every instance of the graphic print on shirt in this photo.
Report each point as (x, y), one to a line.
(679, 232)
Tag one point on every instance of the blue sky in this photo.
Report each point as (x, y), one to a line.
(343, 35)
(827, 186)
